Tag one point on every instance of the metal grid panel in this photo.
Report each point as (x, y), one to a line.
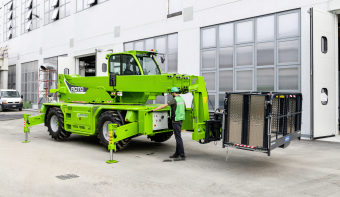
(276, 122)
(235, 118)
(256, 120)
(291, 120)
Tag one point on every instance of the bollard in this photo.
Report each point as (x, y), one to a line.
(26, 129)
(112, 145)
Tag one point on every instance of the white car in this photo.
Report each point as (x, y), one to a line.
(10, 99)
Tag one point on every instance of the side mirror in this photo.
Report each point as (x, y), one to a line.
(162, 59)
(22, 96)
(104, 68)
(112, 79)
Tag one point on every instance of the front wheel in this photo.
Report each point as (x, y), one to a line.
(20, 109)
(110, 117)
(55, 124)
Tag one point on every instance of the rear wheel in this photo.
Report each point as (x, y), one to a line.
(110, 117)
(161, 137)
(55, 124)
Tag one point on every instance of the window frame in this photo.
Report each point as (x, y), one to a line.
(97, 3)
(299, 51)
(253, 31)
(275, 40)
(278, 23)
(299, 77)
(253, 58)
(176, 13)
(48, 14)
(252, 83)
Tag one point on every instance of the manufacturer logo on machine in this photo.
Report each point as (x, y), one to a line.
(75, 89)
(287, 139)
(79, 115)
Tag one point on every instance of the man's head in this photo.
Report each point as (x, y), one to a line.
(174, 91)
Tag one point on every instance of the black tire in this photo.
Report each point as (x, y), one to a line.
(20, 109)
(58, 133)
(112, 117)
(161, 137)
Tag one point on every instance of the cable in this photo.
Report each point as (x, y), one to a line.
(209, 99)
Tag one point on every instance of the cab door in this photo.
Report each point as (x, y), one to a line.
(323, 74)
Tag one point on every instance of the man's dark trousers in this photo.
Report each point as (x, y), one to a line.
(179, 141)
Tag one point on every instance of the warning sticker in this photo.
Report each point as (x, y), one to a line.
(205, 100)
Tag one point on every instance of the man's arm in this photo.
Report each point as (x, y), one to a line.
(160, 107)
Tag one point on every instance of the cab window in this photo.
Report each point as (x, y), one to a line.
(129, 65)
(124, 65)
(115, 64)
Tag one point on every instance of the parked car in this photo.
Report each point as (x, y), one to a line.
(10, 99)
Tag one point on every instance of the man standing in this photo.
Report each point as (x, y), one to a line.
(177, 114)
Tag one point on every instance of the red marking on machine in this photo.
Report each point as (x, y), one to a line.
(108, 101)
(245, 146)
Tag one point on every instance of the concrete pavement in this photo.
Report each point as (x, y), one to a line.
(305, 168)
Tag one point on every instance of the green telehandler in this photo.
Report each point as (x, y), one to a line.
(88, 105)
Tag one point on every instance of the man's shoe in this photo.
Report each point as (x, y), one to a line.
(174, 156)
(180, 158)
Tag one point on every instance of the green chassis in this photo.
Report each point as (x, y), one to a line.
(83, 99)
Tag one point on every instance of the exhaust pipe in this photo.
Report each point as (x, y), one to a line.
(48, 66)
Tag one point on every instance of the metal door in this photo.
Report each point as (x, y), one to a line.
(100, 61)
(323, 74)
(66, 62)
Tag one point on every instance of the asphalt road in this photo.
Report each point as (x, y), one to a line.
(77, 167)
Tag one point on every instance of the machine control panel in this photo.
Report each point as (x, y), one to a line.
(160, 120)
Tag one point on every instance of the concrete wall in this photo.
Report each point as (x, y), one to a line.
(94, 28)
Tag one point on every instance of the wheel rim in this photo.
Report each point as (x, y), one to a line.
(106, 130)
(54, 123)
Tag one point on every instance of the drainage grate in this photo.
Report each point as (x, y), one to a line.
(67, 176)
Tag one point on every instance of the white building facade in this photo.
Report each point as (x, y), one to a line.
(237, 45)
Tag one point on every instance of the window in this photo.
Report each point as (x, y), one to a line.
(129, 65)
(30, 15)
(148, 65)
(324, 96)
(12, 77)
(56, 9)
(256, 54)
(84, 4)
(10, 20)
(324, 44)
(168, 45)
(29, 81)
(115, 64)
(175, 8)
